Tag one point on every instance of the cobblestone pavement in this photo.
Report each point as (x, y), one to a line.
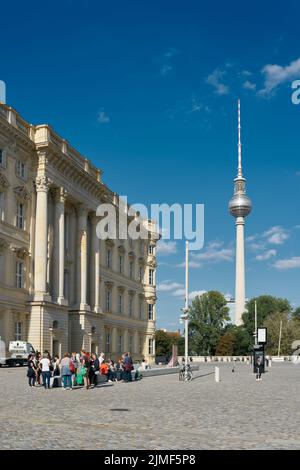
(158, 412)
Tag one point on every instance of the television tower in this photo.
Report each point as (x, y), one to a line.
(240, 207)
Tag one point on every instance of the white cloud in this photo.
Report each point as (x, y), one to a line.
(165, 69)
(192, 265)
(247, 85)
(214, 253)
(196, 293)
(192, 295)
(275, 75)
(165, 248)
(266, 255)
(215, 79)
(166, 65)
(168, 286)
(103, 118)
(276, 235)
(291, 263)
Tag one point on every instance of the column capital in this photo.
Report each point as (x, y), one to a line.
(42, 184)
(82, 211)
(60, 195)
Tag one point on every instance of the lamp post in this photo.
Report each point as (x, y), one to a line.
(185, 310)
(255, 322)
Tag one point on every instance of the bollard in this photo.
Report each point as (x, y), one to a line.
(217, 374)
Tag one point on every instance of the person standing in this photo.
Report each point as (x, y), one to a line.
(259, 367)
(74, 368)
(66, 372)
(94, 370)
(31, 371)
(45, 368)
(56, 372)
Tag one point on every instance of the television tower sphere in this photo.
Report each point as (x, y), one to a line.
(240, 205)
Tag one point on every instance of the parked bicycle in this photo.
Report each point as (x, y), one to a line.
(185, 374)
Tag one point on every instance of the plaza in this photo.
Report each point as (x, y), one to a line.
(156, 413)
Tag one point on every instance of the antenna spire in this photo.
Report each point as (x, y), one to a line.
(240, 171)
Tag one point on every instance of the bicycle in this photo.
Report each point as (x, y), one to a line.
(185, 375)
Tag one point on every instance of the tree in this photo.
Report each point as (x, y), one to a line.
(290, 333)
(225, 344)
(235, 341)
(243, 341)
(266, 306)
(163, 344)
(208, 315)
(296, 314)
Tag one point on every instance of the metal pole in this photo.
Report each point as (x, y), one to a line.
(279, 343)
(255, 332)
(186, 306)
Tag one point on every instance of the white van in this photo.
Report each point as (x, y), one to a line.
(18, 353)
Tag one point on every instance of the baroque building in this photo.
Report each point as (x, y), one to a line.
(61, 288)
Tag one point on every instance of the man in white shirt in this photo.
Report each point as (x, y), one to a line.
(45, 366)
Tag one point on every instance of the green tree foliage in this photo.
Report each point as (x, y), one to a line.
(290, 333)
(208, 315)
(266, 306)
(163, 343)
(235, 341)
(226, 344)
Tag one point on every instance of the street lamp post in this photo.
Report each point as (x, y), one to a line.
(255, 322)
(185, 310)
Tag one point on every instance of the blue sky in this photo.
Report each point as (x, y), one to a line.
(148, 91)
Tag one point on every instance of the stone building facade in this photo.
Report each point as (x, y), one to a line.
(61, 288)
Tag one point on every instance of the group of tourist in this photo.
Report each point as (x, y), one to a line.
(81, 370)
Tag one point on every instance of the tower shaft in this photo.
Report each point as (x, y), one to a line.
(240, 296)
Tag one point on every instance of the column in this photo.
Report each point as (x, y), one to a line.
(60, 244)
(73, 232)
(125, 340)
(82, 226)
(114, 341)
(95, 280)
(41, 239)
(240, 271)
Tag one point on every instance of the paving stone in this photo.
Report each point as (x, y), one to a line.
(237, 413)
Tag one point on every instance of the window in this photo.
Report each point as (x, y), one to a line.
(21, 169)
(142, 247)
(120, 344)
(130, 242)
(20, 274)
(131, 265)
(2, 205)
(151, 277)
(18, 331)
(151, 249)
(150, 312)
(108, 259)
(121, 264)
(130, 307)
(120, 304)
(141, 274)
(20, 216)
(107, 342)
(108, 301)
(151, 346)
(2, 158)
